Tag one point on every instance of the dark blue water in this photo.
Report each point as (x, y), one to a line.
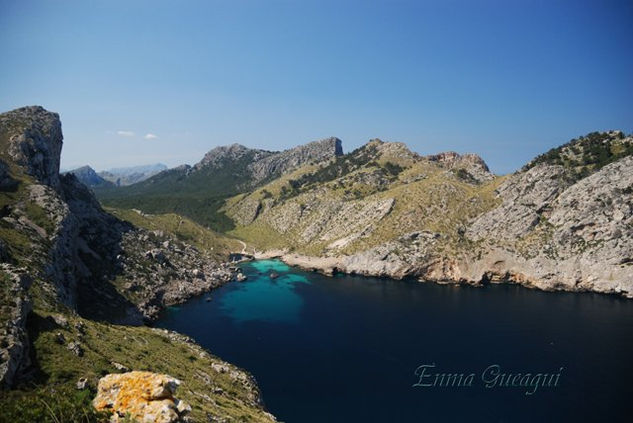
(345, 349)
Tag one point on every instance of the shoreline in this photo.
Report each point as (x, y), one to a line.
(330, 266)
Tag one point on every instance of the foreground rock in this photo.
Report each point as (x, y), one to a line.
(143, 396)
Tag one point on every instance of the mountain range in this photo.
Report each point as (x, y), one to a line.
(120, 176)
(563, 221)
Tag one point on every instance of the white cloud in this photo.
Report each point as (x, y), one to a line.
(150, 136)
(125, 133)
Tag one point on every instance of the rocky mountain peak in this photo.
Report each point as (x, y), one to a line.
(32, 138)
(219, 155)
(392, 150)
(469, 165)
(284, 161)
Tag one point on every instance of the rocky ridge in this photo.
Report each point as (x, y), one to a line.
(542, 227)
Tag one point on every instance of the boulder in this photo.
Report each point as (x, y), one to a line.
(144, 396)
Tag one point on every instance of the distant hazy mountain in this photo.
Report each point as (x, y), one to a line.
(90, 178)
(122, 176)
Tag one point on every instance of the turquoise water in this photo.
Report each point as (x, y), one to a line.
(267, 299)
(346, 349)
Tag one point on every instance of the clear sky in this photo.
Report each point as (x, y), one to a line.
(138, 82)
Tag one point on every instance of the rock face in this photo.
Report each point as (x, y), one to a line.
(7, 183)
(37, 143)
(14, 345)
(144, 396)
(263, 165)
(282, 162)
(79, 254)
(564, 235)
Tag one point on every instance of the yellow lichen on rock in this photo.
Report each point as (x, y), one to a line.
(143, 396)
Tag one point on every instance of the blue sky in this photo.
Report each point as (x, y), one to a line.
(506, 79)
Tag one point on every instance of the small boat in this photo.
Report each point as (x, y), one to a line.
(273, 275)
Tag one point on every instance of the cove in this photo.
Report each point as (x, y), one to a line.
(347, 348)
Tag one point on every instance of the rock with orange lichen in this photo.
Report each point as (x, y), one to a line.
(143, 396)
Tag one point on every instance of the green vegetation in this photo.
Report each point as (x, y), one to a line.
(182, 228)
(465, 176)
(342, 165)
(50, 404)
(199, 207)
(363, 158)
(39, 216)
(587, 154)
(198, 195)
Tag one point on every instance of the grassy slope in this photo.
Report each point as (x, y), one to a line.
(184, 229)
(138, 348)
(438, 202)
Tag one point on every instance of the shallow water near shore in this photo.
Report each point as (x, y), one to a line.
(346, 348)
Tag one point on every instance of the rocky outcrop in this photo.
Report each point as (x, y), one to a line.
(284, 161)
(220, 156)
(525, 196)
(14, 343)
(177, 271)
(263, 165)
(140, 396)
(564, 235)
(85, 263)
(34, 142)
(467, 166)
